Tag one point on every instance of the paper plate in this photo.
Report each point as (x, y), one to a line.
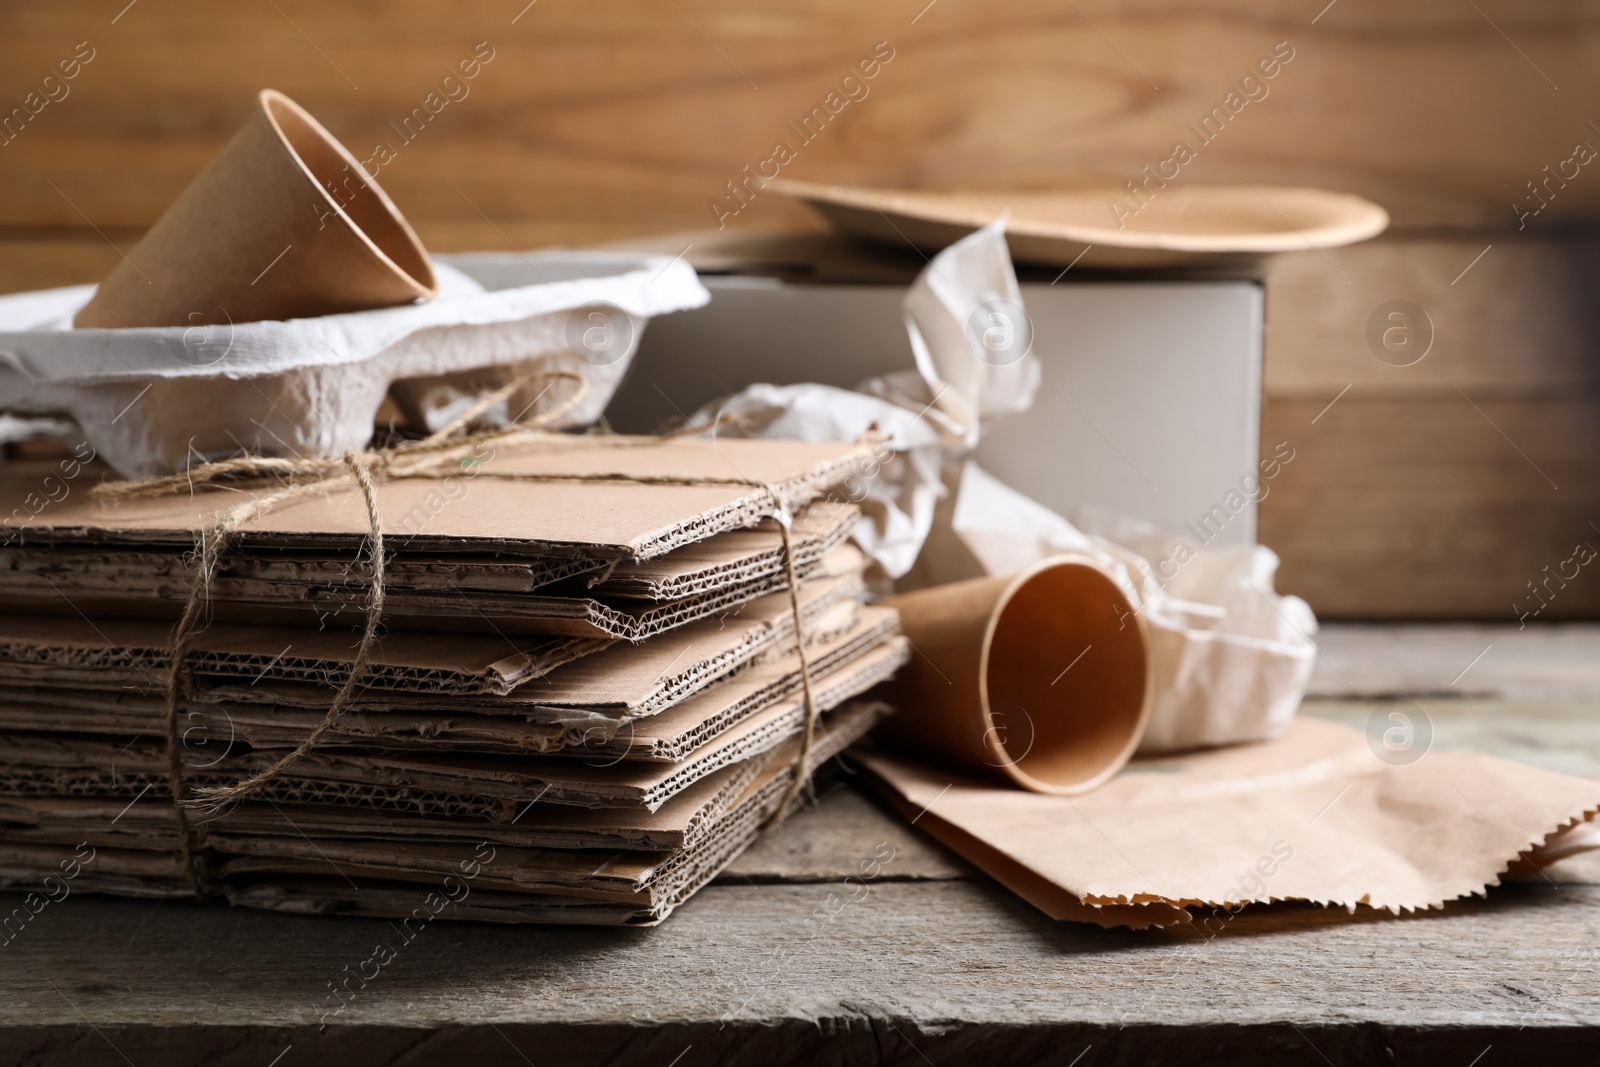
(1178, 225)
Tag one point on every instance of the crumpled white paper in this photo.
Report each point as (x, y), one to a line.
(153, 400)
(926, 414)
(898, 495)
(1231, 657)
(969, 334)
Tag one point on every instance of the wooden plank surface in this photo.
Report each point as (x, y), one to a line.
(1495, 662)
(933, 969)
(826, 843)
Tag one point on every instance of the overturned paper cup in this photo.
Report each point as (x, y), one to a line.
(1042, 676)
(283, 223)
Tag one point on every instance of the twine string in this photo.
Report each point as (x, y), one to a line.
(798, 775)
(215, 798)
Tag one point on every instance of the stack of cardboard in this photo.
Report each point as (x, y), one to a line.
(586, 700)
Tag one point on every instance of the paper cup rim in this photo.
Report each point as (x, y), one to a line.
(266, 101)
(1011, 766)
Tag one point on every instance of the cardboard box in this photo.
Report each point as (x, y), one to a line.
(1150, 403)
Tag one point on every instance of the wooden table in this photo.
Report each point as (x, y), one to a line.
(936, 965)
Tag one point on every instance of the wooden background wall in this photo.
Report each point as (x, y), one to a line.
(1433, 490)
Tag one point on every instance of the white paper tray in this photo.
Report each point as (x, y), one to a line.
(155, 400)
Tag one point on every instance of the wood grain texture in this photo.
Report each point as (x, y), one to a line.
(1435, 508)
(961, 958)
(827, 841)
(635, 114)
(64, 258)
(1405, 500)
(857, 1040)
(1482, 661)
(1512, 315)
(1557, 735)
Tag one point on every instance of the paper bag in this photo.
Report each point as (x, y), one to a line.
(1315, 816)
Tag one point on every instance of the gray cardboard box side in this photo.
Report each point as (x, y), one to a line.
(1150, 403)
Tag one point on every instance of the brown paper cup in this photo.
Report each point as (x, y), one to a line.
(282, 224)
(1042, 676)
